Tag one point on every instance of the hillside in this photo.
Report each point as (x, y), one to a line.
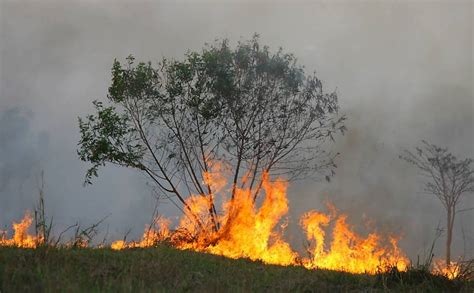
(169, 270)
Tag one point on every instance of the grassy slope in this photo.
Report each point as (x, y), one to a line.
(167, 269)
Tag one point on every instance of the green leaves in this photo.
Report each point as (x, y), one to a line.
(107, 137)
(133, 81)
(245, 104)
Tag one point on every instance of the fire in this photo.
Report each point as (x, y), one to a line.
(157, 232)
(253, 232)
(119, 245)
(249, 232)
(348, 251)
(451, 272)
(21, 238)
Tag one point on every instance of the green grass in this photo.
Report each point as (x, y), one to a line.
(165, 269)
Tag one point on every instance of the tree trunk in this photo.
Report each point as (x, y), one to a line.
(449, 236)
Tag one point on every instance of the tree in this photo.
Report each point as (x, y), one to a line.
(253, 109)
(447, 177)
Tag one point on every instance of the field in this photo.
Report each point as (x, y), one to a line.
(165, 269)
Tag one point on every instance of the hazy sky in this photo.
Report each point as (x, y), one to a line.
(403, 71)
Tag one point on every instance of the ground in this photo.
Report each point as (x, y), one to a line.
(165, 269)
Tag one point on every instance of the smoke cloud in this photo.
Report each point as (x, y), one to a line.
(403, 71)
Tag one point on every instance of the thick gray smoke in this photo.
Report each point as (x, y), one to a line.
(403, 71)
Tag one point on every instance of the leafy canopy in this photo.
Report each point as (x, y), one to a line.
(253, 109)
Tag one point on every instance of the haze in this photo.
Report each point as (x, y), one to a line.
(403, 71)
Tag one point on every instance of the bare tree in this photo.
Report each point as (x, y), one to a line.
(447, 177)
(251, 108)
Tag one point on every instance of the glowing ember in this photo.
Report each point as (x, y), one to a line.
(21, 238)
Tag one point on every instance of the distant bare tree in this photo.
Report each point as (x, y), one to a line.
(448, 178)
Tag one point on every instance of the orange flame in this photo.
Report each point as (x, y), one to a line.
(152, 235)
(21, 238)
(348, 251)
(250, 231)
(451, 272)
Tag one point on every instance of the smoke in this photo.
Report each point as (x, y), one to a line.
(403, 72)
(19, 152)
